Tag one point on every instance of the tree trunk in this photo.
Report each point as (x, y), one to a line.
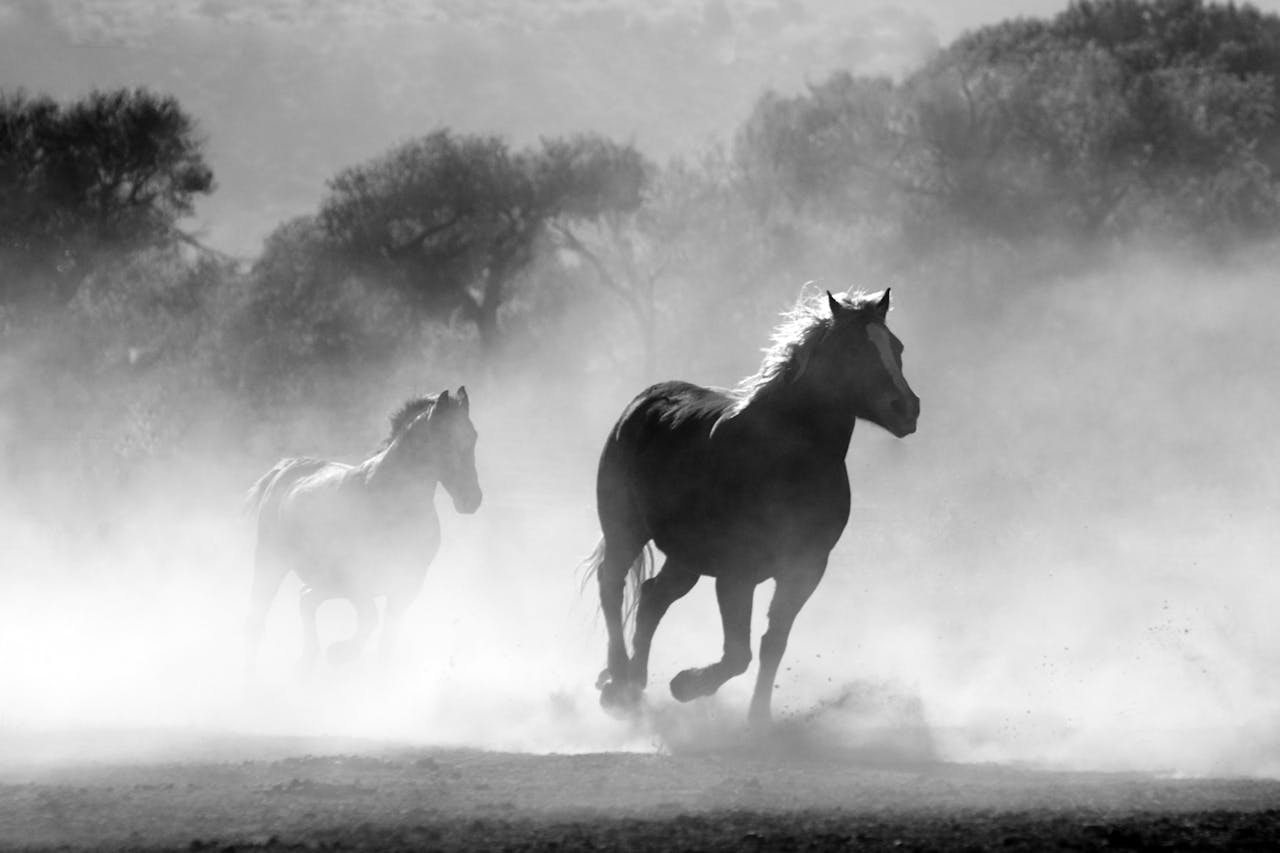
(486, 312)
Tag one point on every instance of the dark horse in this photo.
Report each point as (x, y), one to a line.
(742, 485)
(363, 531)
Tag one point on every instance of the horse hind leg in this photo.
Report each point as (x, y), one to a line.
(268, 572)
(349, 650)
(308, 605)
(618, 555)
(734, 596)
(656, 595)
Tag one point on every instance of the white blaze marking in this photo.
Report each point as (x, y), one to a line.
(879, 336)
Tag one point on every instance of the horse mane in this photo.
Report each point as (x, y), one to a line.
(407, 413)
(793, 341)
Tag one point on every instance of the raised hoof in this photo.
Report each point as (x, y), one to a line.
(620, 699)
(684, 687)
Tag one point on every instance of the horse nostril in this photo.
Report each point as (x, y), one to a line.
(905, 407)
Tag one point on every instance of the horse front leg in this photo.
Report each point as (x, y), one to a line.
(791, 593)
(392, 617)
(734, 595)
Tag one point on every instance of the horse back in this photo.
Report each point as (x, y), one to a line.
(265, 494)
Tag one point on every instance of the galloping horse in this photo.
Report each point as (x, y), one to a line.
(363, 531)
(742, 485)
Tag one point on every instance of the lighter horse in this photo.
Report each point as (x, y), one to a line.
(360, 532)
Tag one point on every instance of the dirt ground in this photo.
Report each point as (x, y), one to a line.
(232, 792)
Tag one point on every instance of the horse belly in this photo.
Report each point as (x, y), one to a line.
(728, 523)
(346, 551)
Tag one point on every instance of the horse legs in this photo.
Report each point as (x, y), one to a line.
(308, 603)
(789, 596)
(619, 554)
(656, 595)
(268, 572)
(734, 596)
(392, 616)
(349, 650)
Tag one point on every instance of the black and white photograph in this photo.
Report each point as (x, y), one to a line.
(565, 425)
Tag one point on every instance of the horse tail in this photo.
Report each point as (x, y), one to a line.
(641, 570)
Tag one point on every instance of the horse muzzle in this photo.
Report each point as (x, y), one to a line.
(900, 415)
(467, 503)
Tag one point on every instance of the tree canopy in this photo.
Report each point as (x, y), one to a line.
(449, 220)
(113, 172)
(1113, 117)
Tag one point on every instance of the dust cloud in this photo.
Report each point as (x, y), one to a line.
(1069, 566)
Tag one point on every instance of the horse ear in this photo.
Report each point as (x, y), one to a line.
(444, 397)
(882, 307)
(463, 399)
(834, 304)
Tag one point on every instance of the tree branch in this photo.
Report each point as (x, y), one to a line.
(416, 241)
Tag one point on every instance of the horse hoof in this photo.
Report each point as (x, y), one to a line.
(620, 699)
(684, 687)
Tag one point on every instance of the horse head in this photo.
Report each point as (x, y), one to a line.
(454, 439)
(869, 358)
(440, 436)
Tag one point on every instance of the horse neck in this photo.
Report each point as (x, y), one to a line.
(390, 469)
(813, 403)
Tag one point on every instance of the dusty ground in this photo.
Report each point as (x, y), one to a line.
(237, 792)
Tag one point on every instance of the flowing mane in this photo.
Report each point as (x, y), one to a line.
(801, 329)
(406, 414)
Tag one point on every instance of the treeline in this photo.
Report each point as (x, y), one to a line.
(461, 253)
(1112, 119)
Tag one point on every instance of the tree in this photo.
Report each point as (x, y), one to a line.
(305, 315)
(1116, 116)
(1122, 114)
(840, 148)
(628, 252)
(449, 220)
(109, 174)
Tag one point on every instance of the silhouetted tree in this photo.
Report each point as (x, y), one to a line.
(1114, 117)
(839, 147)
(1120, 114)
(305, 314)
(449, 220)
(111, 173)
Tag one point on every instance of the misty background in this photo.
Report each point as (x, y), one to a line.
(229, 235)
